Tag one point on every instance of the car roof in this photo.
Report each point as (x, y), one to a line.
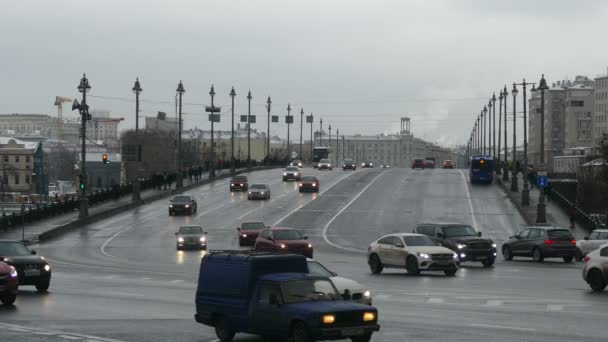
(259, 184)
(443, 224)
(279, 228)
(290, 276)
(602, 230)
(546, 228)
(190, 225)
(309, 178)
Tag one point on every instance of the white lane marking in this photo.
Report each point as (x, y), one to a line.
(502, 327)
(177, 281)
(111, 277)
(341, 211)
(129, 227)
(68, 337)
(554, 308)
(466, 186)
(494, 302)
(312, 199)
(58, 333)
(435, 300)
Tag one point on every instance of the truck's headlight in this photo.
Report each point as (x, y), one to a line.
(250, 192)
(314, 184)
(329, 319)
(244, 235)
(367, 294)
(203, 239)
(13, 272)
(424, 255)
(47, 268)
(459, 246)
(369, 316)
(180, 239)
(241, 184)
(301, 184)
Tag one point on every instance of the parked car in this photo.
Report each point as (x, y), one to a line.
(540, 243)
(413, 252)
(418, 163)
(31, 268)
(325, 164)
(595, 271)
(191, 236)
(283, 240)
(9, 284)
(309, 184)
(249, 231)
(274, 296)
(349, 164)
(462, 239)
(259, 191)
(182, 204)
(447, 164)
(591, 242)
(292, 173)
(239, 183)
(358, 292)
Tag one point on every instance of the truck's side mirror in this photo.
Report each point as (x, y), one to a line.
(479, 234)
(274, 299)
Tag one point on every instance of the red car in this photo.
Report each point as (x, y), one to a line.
(309, 184)
(249, 231)
(448, 164)
(283, 240)
(418, 163)
(8, 284)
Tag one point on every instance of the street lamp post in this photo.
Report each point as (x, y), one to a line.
(514, 185)
(249, 97)
(541, 214)
(525, 192)
(490, 131)
(484, 115)
(338, 145)
(311, 138)
(329, 138)
(212, 115)
(178, 180)
(232, 160)
(83, 108)
(289, 121)
(494, 126)
(136, 190)
(268, 105)
(321, 132)
(498, 165)
(505, 174)
(301, 130)
(343, 146)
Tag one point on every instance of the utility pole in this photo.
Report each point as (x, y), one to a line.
(301, 130)
(498, 166)
(289, 121)
(249, 129)
(329, 137)
(232, 160)
(179, 180)
(321, 133)
(212, 110)
(268, 104)
(83, 108)
(490, 132)
(541, 209)
(505, 174)
(514, 186)
(311, 136)
(494, 126)
(136, 190)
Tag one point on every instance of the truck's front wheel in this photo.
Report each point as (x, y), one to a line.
(223, 331)
(299, 333)
(362, 338)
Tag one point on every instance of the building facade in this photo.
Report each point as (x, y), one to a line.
(20, 167)
(103, 128)
(161, 122)
(601, 108)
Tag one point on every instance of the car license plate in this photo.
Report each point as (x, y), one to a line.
(31, 273)
(482, 257)
(352, 331)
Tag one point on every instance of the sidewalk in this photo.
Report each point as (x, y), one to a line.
(51, 227)
(555, 215)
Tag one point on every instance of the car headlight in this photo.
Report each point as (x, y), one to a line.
(187, 206)
(329, 319)
(203, 239)
(301, 184)
(343, 165)
(241, 184)
(47, 268)
(309, 245)
(455, 256)
(232, 184)
(369, 317)
(250, 192)
(13, 272)
(314, 184)
(367, 294)
(180, 239)
(261, 193)
(282, 246)
(284, 173)
(244, 235)
(460, 246)
(170, 205)
(493, 245)
(424, 255)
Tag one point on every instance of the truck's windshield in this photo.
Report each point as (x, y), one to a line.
(296, 291)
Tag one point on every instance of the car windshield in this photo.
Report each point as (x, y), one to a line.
(296, 162)
(316, 268)
(418, 160)
(296, 291)
(292, 168)
(309, 179)
(287, 235)
(253, 225)
(559, 233)
(324, 161)
(13, 249)
(348, 161)
(415, 241)
(453, 231)
(239, 179)
(258, 186)
(191, 230)
(181, 199)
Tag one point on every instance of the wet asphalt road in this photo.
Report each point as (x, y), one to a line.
(122, 279)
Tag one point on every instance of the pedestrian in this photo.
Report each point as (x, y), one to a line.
(165, 179)
(572, 214)
(219, 165)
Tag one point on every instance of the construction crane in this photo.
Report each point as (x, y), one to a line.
(59, 100)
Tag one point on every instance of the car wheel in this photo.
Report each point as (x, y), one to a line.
(411, 265)
(537, 255)
(596, 281)
(299, 333)
(507, 253)
(363, 338)
(450, 272)
(579, 255)
(223, 331)
(375, 265)
(488, 262)
(8, 300)
(43, 285)
(568, 259)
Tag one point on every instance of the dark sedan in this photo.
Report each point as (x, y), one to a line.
(182, 204)
(349, 164)
(8, 284)
(540, 243)
(31, 269)
(249, 231)
(239, 183)
(259, 191)
(309, 184)
(283, 240)
(367, 164)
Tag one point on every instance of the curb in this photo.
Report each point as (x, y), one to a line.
(529, 221)
(79, 223)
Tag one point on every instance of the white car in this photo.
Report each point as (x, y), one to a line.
(595, 271)
(357, 291)
(592, 242)
(413, 252)
(325, 164)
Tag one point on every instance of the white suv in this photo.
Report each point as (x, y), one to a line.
(414, 252)
(592, 242)
(595, 271)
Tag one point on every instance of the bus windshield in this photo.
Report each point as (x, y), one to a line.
(319, 153)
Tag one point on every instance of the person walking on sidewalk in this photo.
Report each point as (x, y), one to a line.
(572, 214)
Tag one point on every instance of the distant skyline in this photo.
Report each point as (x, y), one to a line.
(360, 65)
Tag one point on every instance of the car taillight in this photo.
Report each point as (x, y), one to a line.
(573, 241)
(586, 258)
(549, 242)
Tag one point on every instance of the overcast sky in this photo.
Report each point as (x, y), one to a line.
(361, 65)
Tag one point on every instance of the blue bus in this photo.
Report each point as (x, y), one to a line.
(481, 169)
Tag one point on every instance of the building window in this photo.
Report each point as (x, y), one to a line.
(27, 159)
(16, 179)
(16, 159)
(5, 159)
(27, 179)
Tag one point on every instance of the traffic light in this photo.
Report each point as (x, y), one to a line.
(81, 182)
(104, 158)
